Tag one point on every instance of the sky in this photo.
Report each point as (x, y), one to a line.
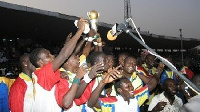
(162, 17)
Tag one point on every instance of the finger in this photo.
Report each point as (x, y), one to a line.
(118, 67)
(163, 102)
(82, 68)
(99, 72)
(115, 70)
(99, 69)
(69, 37)
(114, 76)
(99, 66)
(83, 20)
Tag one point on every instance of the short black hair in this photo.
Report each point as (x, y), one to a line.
(34, 56)
(165, 84)
(93, 57)
(118, 83)
(21, 59)
(130, 56)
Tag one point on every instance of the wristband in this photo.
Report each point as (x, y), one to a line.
(95, 43)
(86, 78)
(90, 39)
(85, 38)
(96, 36)
(76, 81)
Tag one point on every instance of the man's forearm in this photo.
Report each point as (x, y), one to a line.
(95, 94)
(81, 89)
(69, 96)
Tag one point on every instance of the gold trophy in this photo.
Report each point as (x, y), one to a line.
(93, 16)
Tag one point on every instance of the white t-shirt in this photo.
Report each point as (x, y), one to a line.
(123, 106)
(175, 107)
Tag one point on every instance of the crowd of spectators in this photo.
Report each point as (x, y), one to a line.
(11, 49)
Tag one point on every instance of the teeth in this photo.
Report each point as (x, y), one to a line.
(130, 68)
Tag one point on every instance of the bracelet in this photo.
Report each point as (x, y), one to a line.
(86, 78)
(98, 44)
(95, 43)
(96, 36)
(76, 81)
(90, 39)
(85, 38)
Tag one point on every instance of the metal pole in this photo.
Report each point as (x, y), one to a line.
(181, 46)
(123, 27)
(188, 82)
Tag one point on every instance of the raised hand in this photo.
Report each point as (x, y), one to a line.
(64, 75)
(111, 76)
(81, 24)
(96, 69)
(92, 33)
(81, 72)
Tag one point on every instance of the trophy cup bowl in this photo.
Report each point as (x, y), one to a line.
(93, 16)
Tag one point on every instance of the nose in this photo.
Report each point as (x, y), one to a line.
(175, 87)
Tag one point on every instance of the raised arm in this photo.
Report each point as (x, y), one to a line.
(78, 47)
(93, 101)
(70, 95)
(98, 44)
(151, 82)
(91, 75)
(87, 48)
(69, 45)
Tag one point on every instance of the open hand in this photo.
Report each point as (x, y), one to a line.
(113, 75)
(96, 69)
(81, 72)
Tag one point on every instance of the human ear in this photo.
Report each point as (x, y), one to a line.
(40, 63)
(119, 90)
